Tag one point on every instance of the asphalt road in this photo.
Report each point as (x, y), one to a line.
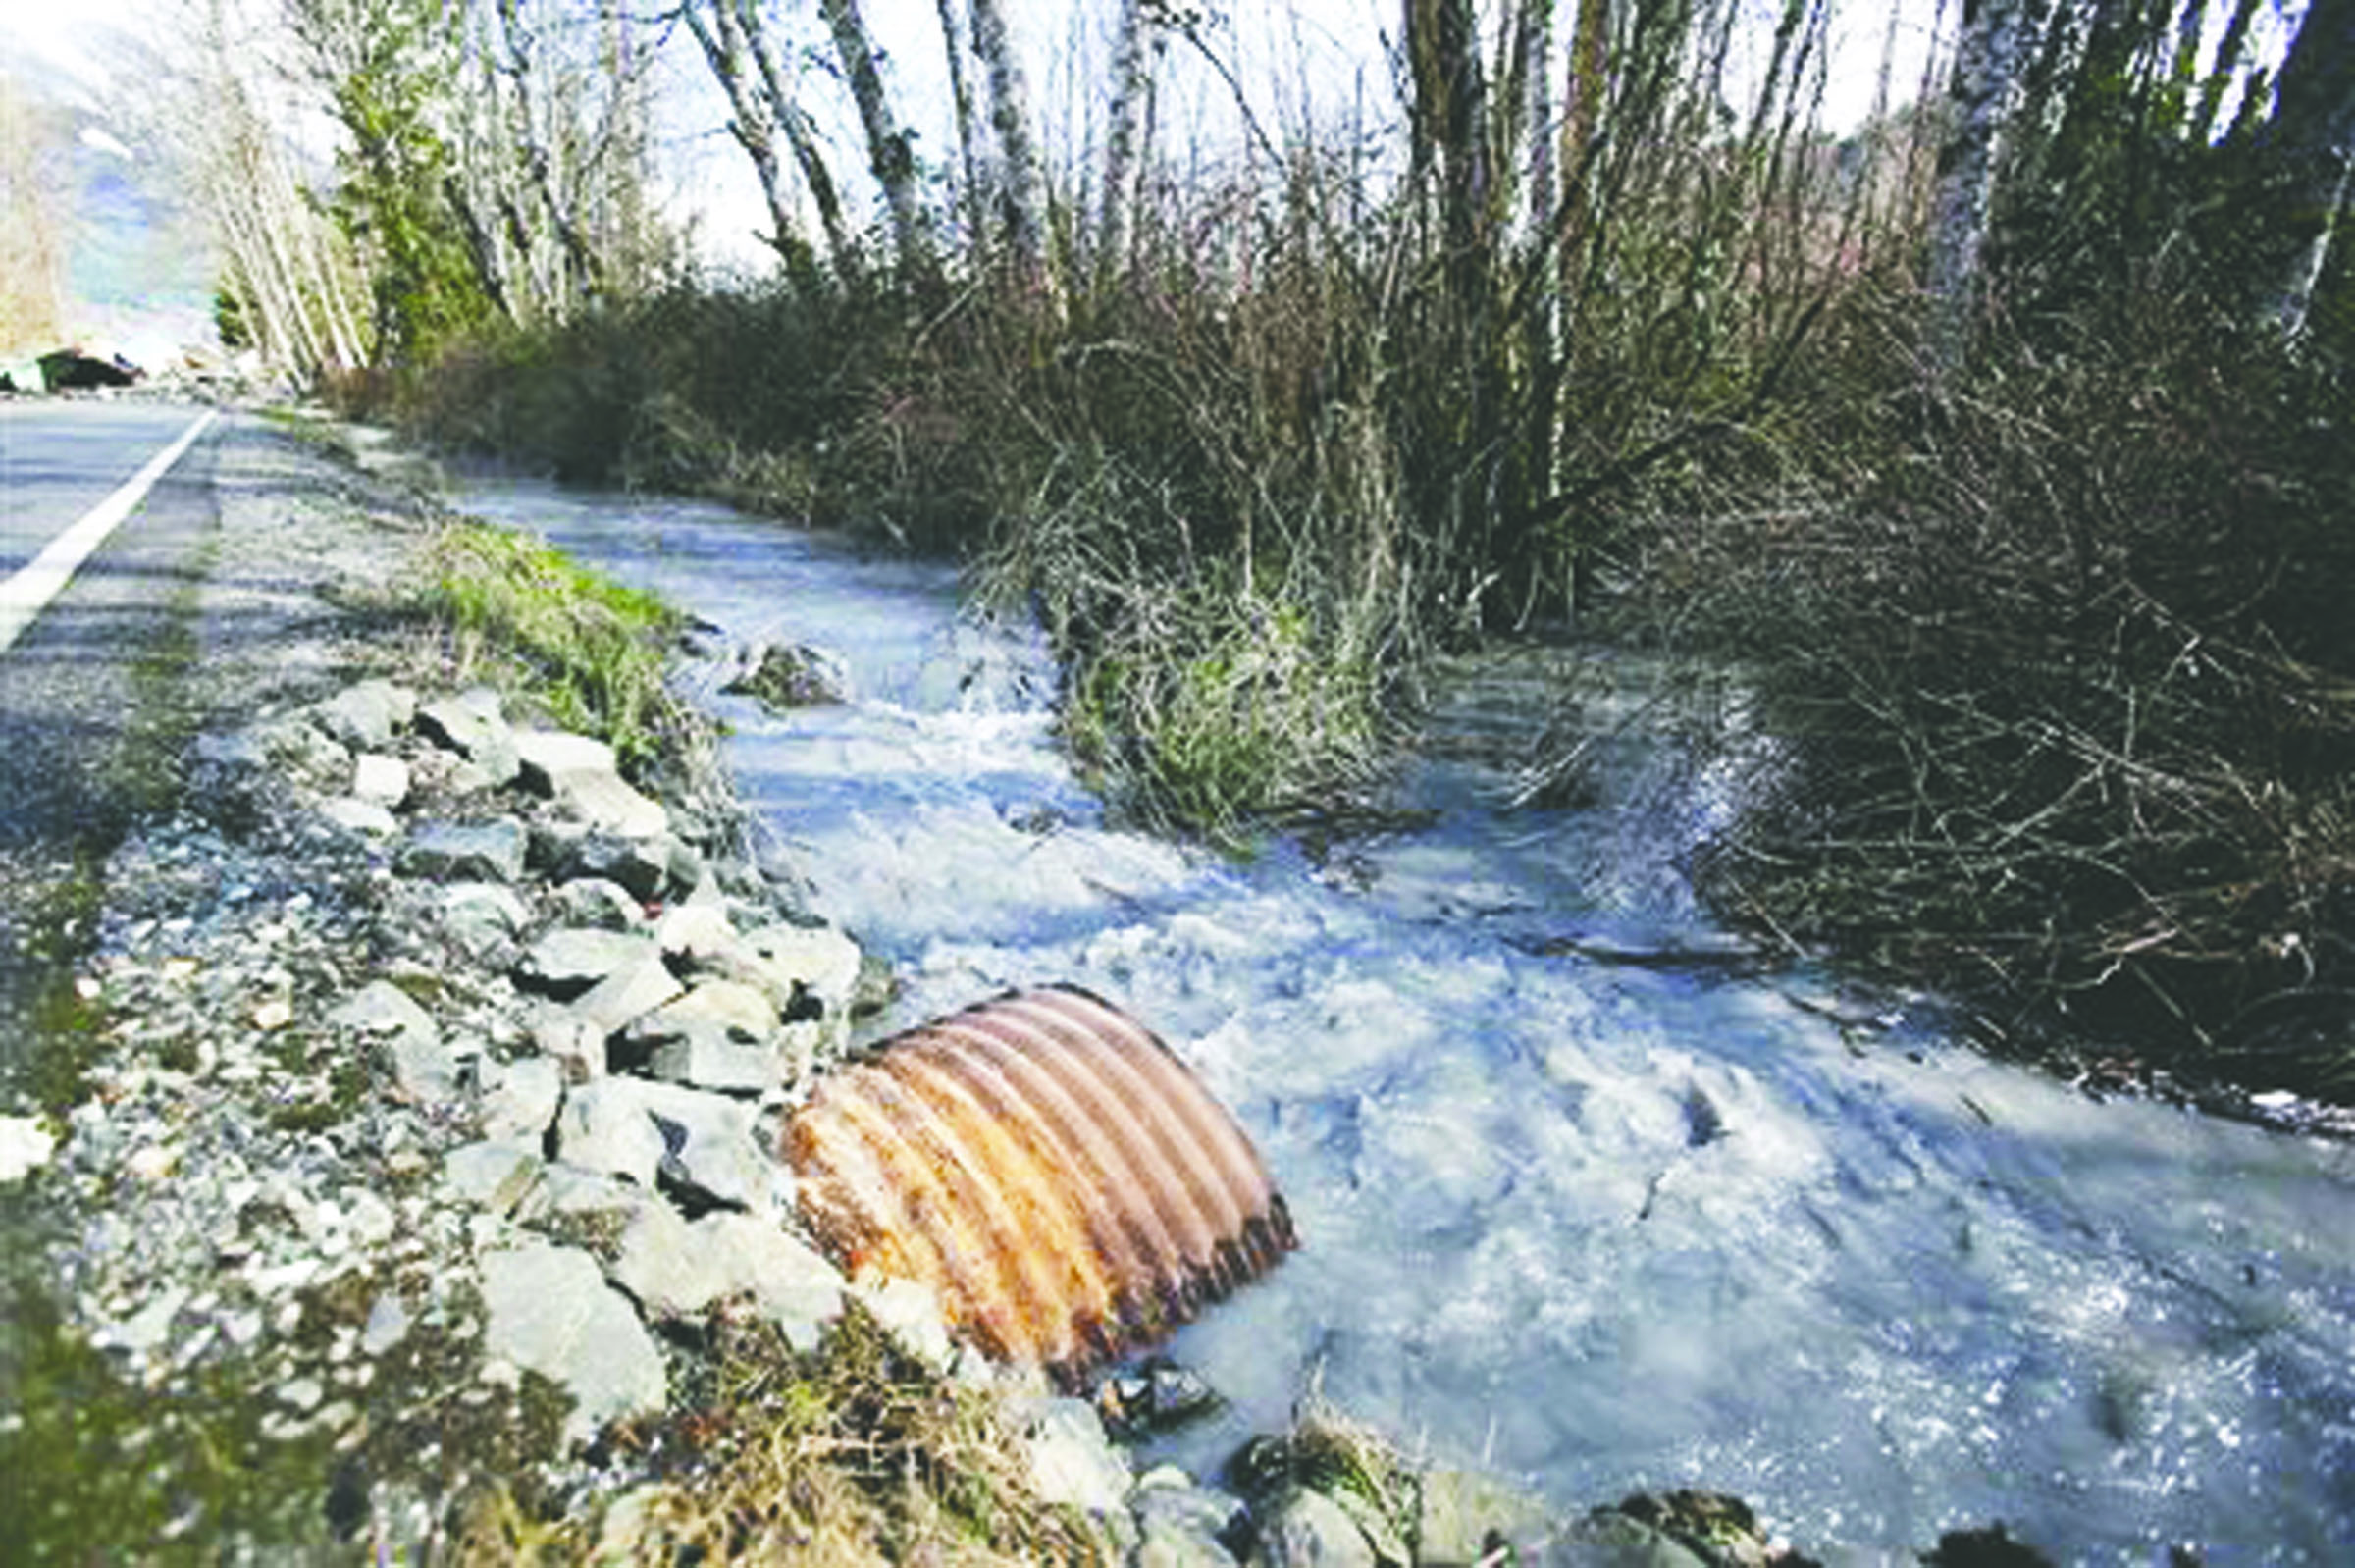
(88, 693)
(70, 688)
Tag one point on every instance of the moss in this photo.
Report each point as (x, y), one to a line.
(106, 1470)
(854, 1453)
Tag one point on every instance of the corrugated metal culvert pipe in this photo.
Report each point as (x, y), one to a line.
(1046, 1164)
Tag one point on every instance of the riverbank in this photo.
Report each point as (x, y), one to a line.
(398, 1175)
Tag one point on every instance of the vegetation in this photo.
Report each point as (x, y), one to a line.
(1993, 434)
(591, 650)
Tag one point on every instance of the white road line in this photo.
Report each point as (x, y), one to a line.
(27, 594)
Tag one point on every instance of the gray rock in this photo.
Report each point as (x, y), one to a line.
(379, 779)
(365, 717)
(581, 774)
(423, 1070)
(472, 725)
(468, 851)
(298, 749)
(697, 934)
(662, 1264)
(798, 966)
(782, 676)
(642, 1130)
(520, 1098)
(368, 818)
(627, 994)
(721, 1066)
(1070, 1460)
(572, 1043)
(496, 1173)
(598, 902)
(719, 1035)
(1608, 1539)
(604, 1126)
(1181, 1524)
(640, 866)
(571, 961)
(790, 1283)
(548, 1310)
(24, 1146)
(388, 1324)
(1309, 1529)
(910, 1313)
(482, 919)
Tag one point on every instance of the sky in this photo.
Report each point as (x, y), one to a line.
(1331, 54)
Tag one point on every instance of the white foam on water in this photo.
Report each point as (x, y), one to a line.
(1598, 1226)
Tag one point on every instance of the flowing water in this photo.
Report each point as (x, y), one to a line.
(1600, 1224)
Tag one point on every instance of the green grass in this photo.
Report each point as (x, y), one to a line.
(590, 651)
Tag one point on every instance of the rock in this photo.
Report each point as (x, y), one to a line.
(380, 780)
(572, 1043)
(581, 775)
(1309, 1529)
(482, 919)
(551, 1311)
(1464, 1516)
(640, 866)
(719, 1035)
(1182, 1525)
(1607, 1539)
(365, 717)
(423, 1071)
(701, 1142)
(1071, 1462)
(388, 1324)
(472, 725)
(287, 746)
(368, 818)
(782, 676)
(790, 1283)
(1158, 1395)
(802, 968)
(570, 962)
(24, 1146)
(468, 851)
(676, 1269)
(697, 934)
(910, 1314)
(520, 1098)
(627, 994)
(604, 1126)
(496, 1173)
(599, 903)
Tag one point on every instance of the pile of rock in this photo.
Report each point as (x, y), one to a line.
(441, 1070)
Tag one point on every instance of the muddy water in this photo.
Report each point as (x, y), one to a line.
(1600, 1223)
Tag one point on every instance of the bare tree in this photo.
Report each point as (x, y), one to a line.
(33, 262)
(754, 123)
(1018, 182)
(889, 154)
(1132, 55)
(1993, 48)
(2312, 133)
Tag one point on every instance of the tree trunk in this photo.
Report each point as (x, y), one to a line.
(1987, 64)
(1131, 85)
(1018, 173)
(972, 202)
(2312, 134)
(887, 148)
(753, 126)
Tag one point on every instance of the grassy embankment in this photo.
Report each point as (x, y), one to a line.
(2056, 638)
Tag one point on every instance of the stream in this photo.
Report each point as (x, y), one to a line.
(1600, 1225)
